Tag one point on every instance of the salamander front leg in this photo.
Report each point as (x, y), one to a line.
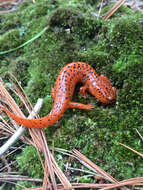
(83, 90)
(80, 106)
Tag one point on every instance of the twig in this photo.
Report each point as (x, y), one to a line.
(7, 177)
(139, 134)
(21, 129)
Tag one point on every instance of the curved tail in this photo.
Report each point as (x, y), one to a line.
(34, 123)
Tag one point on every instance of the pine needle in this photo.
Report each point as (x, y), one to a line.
(114, 9)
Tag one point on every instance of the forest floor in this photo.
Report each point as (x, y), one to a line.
(10, 5)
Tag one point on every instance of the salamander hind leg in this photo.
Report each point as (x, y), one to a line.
(80, 106)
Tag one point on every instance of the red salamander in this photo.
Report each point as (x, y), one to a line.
(69, 76)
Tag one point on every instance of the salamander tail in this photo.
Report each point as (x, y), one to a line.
(49, 119)
(30, 123)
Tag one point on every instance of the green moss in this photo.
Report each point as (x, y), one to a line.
(29, 163)
(4, 68)
(113, 47)
(21, 74)
(23, 184)
(10, 36)
(85, 179)
(123, 36)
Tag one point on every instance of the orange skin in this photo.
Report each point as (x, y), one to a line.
(69, 76)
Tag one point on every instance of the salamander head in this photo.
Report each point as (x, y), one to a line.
(102, 89)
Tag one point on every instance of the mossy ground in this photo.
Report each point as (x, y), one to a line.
(113, 47)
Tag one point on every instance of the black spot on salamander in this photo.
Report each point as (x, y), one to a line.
(86, 66)
(74, 66)
(63, 85)
(65, 74)
(49, 119)
(68, 73)
(68, 66)
(73, 75)
(78, 73)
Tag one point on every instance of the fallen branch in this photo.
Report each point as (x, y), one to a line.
(21, 129)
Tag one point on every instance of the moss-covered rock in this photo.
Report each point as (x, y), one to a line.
(123, 36)
(113, 47)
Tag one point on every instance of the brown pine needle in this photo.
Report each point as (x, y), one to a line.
(65, 182)
(95, 167)
(20, 89)
(114, 9)
(6, 97)
(140, 154)
(132, 181)
(48, 158)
